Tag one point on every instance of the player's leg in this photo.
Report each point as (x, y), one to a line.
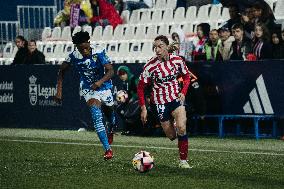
(97, 116)
(110, 116)
(108, 109)
(165, 120)
(169, 129)
(179, 115)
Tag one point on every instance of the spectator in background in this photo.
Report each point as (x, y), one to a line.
(22, 52)
(106, 15)
(248, 21)
(34, 56)
(277, 45)
(137, 4)
(226, 42)
(129, 113)
(180, 46)
(119, 6)
(198, 53)
(241, 47)
(212, 47)
(261, 44)
(234, 16)
(263, 13)
(129, 82)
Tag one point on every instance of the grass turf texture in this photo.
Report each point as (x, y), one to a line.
(69, 159)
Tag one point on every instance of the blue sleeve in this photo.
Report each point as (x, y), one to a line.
(103, 58)
(68, 59)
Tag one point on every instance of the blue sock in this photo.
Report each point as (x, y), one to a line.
(99, 126)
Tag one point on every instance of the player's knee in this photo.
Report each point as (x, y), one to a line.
(93, 102)
(181, 131)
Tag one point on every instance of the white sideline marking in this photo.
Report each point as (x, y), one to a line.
(143, 147)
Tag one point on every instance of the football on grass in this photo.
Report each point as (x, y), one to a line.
(143, 161)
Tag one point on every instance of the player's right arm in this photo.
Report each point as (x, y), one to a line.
(144, 79)
(63, 68)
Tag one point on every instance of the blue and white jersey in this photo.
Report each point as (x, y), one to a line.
(90, 69)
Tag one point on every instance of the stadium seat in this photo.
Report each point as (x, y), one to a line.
(6, 61)
(151, 32)
(279, 10)
(118, 32)
(156, 16)
(215, 13)
(140, 33)
(168, 16)
(8, 50)
(188, 28)
(134, 52)
(171, 4)
(48, 50)
(69, 47)
(179, 15)
(173, 27)
(123, 51)
(107, 33)
(191, 14)
(40, 45)
(145, 16)
(46, 33)
(76, 29)
(271, 3)
(225, 15)
(66, 33)
(56, 33)
(163, 29)
(15, 50)
(88, 29)
(135, 17)
(97, 33)
(125, 15)
(146, 51)
(203, 14)
(160, 4)
(112, 50)
(58, 51)
(129, 32)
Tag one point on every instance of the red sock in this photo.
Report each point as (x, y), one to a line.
(183, 147)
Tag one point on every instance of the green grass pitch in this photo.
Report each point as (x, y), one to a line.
(31, 158)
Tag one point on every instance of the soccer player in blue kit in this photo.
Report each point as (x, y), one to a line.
(95, 70)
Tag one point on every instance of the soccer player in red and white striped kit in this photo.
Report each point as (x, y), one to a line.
(161, 72)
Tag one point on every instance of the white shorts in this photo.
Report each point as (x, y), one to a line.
(105, 96)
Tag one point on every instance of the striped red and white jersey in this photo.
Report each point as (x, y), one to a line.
(163, 77)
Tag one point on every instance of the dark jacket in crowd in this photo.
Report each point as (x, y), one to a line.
(265, 51)
(21, 56)
(36, 57)
(240, 53)
(130, 85)
(278, 51)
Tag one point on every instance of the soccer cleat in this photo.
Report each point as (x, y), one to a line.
(108, 154)
(184, 165)
(110, 137)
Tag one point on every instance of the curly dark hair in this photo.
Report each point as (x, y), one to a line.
(163, 38)
(80, 37)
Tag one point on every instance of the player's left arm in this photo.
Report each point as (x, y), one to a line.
(109, 72)
(186, 80)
